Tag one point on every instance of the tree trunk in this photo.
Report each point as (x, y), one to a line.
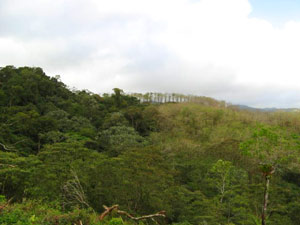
(266, 195)
(39, 144)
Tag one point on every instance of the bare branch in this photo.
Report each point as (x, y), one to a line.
(108, 210)
(11, 148)
(74, 192)
(19, 141)
(8, 165)
(8, 149)
(5, 148)
(2, 207)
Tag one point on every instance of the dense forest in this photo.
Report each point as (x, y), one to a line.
(64, 154)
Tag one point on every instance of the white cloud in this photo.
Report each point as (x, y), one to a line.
(206, 47)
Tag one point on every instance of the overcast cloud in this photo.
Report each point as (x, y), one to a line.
(205, 47)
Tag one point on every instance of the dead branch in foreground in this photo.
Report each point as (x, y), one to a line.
(115, 208)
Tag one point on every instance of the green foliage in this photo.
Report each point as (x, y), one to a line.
(64, 154)
(32, 212)
(116, 221)
(118, 138)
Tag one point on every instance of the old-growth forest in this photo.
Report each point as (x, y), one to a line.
(65, 154)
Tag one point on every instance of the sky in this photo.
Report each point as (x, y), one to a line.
(278, 12)
(241, 51)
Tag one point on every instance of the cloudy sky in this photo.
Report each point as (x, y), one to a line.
(241, 51)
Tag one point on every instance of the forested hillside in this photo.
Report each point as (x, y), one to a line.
(64, 154)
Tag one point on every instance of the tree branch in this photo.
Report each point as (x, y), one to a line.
(5, 205)
(74, 192)
(8, 165)
(107, 211)
(4, 147)
(115, 208)
(8, 149)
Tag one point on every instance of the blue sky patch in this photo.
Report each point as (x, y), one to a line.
(277, 12)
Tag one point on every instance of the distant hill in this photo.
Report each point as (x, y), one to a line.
(245, 107)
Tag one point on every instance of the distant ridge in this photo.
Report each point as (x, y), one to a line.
(156, 97)
(245, 107)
